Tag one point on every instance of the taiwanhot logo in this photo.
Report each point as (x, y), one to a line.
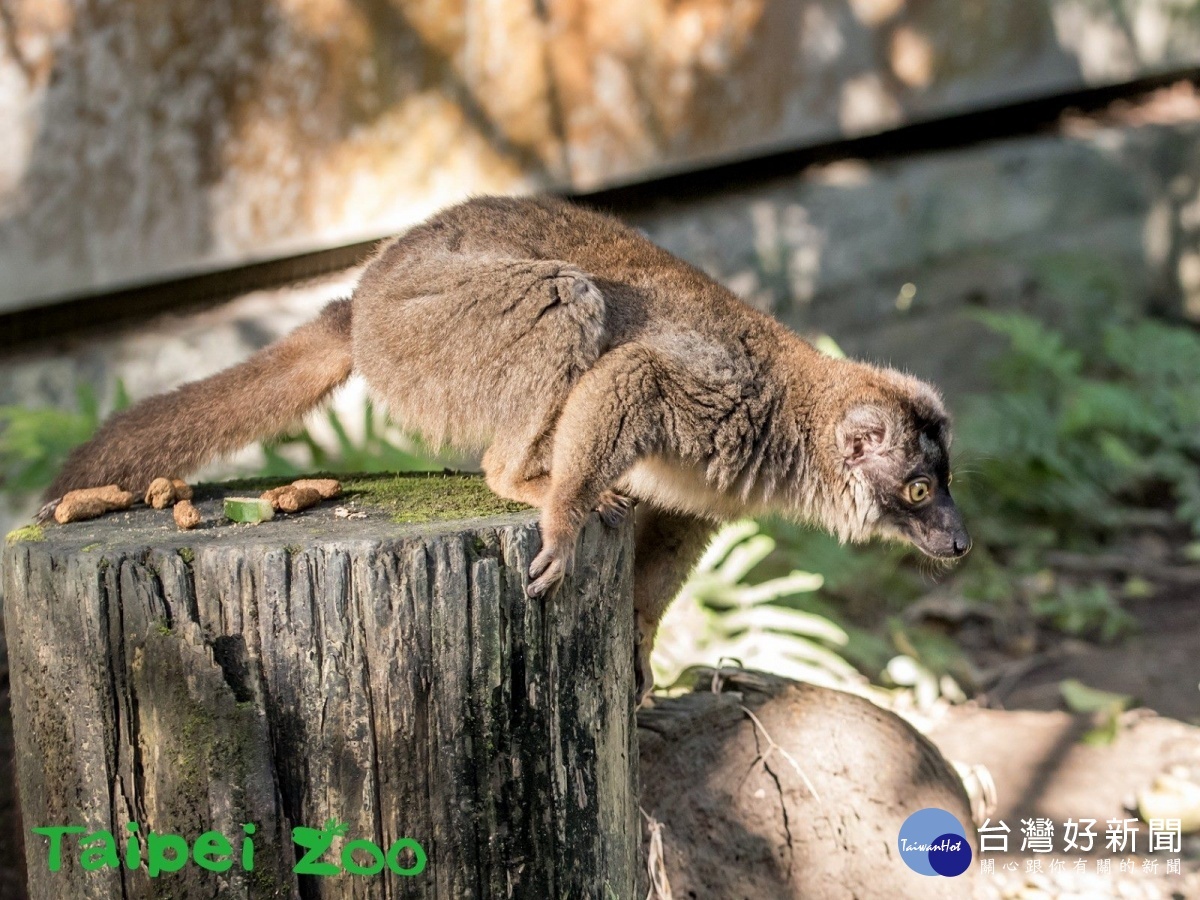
(933, 842)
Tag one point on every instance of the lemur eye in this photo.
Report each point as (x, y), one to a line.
(917, 491)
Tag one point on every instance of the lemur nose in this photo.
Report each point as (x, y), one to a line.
(962, 543)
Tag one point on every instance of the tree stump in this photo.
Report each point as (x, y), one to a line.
(314, 677)
(776, 790)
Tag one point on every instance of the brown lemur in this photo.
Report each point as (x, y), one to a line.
(590, 367)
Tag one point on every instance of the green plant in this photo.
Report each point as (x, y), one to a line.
(34, 442)
(730, 612)
(30, 534)
(750, 623)
(378, 450)
(1087, 611)
(1084, 434)
(1105, 708)
(1094, 421)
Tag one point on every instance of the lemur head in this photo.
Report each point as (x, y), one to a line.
(892, 436)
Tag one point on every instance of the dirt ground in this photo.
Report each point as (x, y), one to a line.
(1034, 751)
(1041, 769)
(1159, 665)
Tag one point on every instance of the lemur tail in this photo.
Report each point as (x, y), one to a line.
(173, 434)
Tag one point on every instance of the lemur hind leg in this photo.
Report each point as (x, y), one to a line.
(518, 474)
(668, 547)
(613, 508)
(530, 484)
(470, 352)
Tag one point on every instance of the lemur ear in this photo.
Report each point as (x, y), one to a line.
(864, 434)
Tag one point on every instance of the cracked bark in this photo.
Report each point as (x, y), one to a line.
(391, 677)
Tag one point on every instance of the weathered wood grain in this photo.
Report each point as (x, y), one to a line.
(394, 678)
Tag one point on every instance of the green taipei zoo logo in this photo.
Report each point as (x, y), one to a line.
(214, 852)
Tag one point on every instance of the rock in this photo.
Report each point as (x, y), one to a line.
(777, 790)
(252, 130)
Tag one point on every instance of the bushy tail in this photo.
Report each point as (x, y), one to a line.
(173, 434)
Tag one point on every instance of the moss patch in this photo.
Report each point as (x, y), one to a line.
(29, 534)
(408, 497)
(427, 497)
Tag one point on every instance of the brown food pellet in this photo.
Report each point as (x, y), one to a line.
(79, 508)
(111, 494)
(290, 498)
(88, 503)
(183, 490)
(295, 499)
(328, 488)
(186, 515)
(272, 496)
(160, 494)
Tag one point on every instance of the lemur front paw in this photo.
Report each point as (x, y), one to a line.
(46, 513)
(548, 569)
(613, 508)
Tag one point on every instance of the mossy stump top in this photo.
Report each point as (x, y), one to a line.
(383, 672)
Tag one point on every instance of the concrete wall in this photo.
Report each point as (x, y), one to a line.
(146, 139)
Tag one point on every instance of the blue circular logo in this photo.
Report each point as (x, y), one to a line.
(933, 842)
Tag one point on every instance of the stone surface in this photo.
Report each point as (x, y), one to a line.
(148, 140)
(392, 677)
